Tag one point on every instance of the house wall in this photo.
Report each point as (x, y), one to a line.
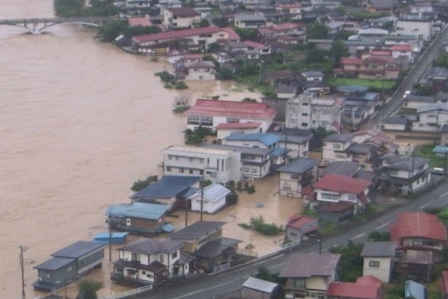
(256, 171)
(216, 120)
(289, 186)
(422, 29)
(146, 224)
(383, 271)
(178, 22)
(64, 274)
(397, 54)
(394, 127)
(293, 234)
(333, 151)
(208, 206)
(422, 242)
(224, 133)
(191, 246)
(168, 259)
(202, 74)
(295, 150)
(90, 260)
(414, 105)
(430, 121)
(317, 283)
(254, 294)
(298, 113)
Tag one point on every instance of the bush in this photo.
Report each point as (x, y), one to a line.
(168, 86)
(350, 264)
(251, 189)
(232, 198)
(376, 236)
(215, 98)
(258, 225)
(206, 183)
(245, 225)
(309, 212)
(165, 76)
(239, 186)
(181, 85)
(142, 184)
(181, 109)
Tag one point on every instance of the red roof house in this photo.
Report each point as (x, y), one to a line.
(305, 224)
(342, 184)
(369, 280)
(342, 290)
(230, 126)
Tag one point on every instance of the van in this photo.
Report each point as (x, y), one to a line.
(406, 93)
(438, 171)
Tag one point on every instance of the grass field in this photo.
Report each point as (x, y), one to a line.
(374, 83)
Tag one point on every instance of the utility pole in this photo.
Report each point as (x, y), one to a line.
(202, 195)
(320, 243)
(110, 240)
(186, 212)
(22, 270)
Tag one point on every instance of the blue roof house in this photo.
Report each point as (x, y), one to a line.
(139, 218)
(170, 191)
(68, 264)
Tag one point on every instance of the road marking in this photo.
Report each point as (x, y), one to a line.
(202, 290)
(381, 226)
(358, 236)
(425, 205)
(443, 194)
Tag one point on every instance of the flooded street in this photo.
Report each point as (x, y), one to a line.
(80, 121)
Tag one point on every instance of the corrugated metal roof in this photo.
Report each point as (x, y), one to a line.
(260, 285)
(54, 263)
(167, 187)
(265, 138)
(299, 165)
(78, 249)
(414, 290)
(378, 249)
(215, 192)
(307, 265)
(138, 210)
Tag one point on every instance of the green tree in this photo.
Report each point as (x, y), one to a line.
(338, 50)
(87, 289)
(132, 31)
(221, 22)
(108, 32)
(443, 216)
(376, 236)
(246, 33)
(204, 23)
(142, 184)
(316, 31)
(350, 263)
(264, 274)
(442, 60)
(250, 100)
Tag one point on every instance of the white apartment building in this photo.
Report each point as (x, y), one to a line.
(421, 28)
(308, 112)
(216, 165)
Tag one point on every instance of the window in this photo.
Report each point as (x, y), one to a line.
(135, 257)
(329, 196)
(337, 146)
(161, 258)
(246, 169)
(201, 172)
(286, 186)
(299, 283)
(143, 272)
(199, 120)
(69, 269)
(181, 170)
(168, 169)
(304, 124)
(254, 170)
(190, 171)
(201, 160)
(304, 104)
(294, 176)
(170, 157)
(374, 264)
(304, 114)
(213, 174)
(131, 271)
(191, 159)
(47, 275)
(233, 120)
(150, 275)
(174, 255)
(351, 197)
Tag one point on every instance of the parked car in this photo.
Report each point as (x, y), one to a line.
(406, 93)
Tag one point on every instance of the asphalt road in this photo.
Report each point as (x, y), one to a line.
(419, 69)
(226, 282)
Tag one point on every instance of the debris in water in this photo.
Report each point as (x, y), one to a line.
(260, 204)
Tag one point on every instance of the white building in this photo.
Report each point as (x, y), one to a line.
(421, 28)
(307, 112)
(214, 198)
(180, 18)
(200, 71)
(216, 165)
(250, 20)
(431, 117)
(225, 129)
(335, 146)
(211, 113)
(378, 259)
(138, 3)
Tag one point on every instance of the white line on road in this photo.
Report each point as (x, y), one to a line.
(358, 236)
(382, 225)
(443, 194)
(425, 205)
(202, 290)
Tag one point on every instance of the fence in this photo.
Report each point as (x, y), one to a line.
(290, 244)
(221, 268)
(129, 293)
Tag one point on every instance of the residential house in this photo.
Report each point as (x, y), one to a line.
(338, 197)
(223, 58)
(378, 259)
(402, 174)
(180, 18)
(297, 175)
(296, 145)
(308, 275)
(435, 79)
(384, 143)
(291, 11)
(365, 287)
(254, 288)
(250, 20)
(335, 148)
(285, 92)
(363, 153)
(195, 71)
(396, 123)
(283, 77)
(299, 227)
(139, 218)
(403, 54)
(225, 129)
(261, 49)
(431, 117)
(212, 200)
(312, 76)
(255, 161)
(171, 190)
(150, 261)
(308, 112)
(259, 140)
(412, 101)
(138, 4)
(416, 25)
(196, 39)
(381, 5)
(211, 113)
(368, 68)
(416, 263)
(444, 284)
(343, 168)
(68, 264)
(283, 29)
(170, 3)
(204, 241)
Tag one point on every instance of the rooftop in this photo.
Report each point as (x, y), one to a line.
(260, 285)
(183, 11)
(229, 126)
(54, 263)
(353, 88)
(250, 17)
(403, 162)
(420, 99)
(197, 230)
(242, 149)
(78, 249)
(369, 280)
(265, 138)
(344, 168)
(338, 138)
(215, 247)
(299, 165)
(342, 184)
(138, 210)
(232, 109)
(167, 187)
(360, 148)
(308, 265)
(151, 246)
(305, 223)
(162, 36)
(198, 149)
(353, 290)
(213, 192)
(418, 225)
(378, 249)
(433, 107)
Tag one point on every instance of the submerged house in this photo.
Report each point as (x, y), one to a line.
(68, 264)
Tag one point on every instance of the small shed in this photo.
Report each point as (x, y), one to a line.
(254, 288)
(55, 273)
(214, 198)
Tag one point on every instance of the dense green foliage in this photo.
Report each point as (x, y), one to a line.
(316, 31)
(142, 184)
(197, 136)
(246, 33)
(379, 236)
(204, 23)
(77, 8)
(442, 60)
(264, 274)
(425, 151)
(87, 289)
(350, 263)
(259, 225)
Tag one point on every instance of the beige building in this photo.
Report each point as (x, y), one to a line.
(335, 148)
(297, 175)
(378, 259)
(180, 18)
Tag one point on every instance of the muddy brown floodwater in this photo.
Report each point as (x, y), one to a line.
(80, 121)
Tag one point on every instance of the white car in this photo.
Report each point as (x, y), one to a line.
(406, 93)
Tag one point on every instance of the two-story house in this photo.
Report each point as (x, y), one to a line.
(335, 146)
(297, 175)
(169, 191)
(402, 174)
(180, 18)
(204, 241)
(369, 68)
(431, 117)
(211, 113)
(337, 197)
(250, 20)
(309, 275)
(195, 71)
(260, 140)
(291, 11)
(139, 218)
(378, 259)
(150, 261)
(296, 145)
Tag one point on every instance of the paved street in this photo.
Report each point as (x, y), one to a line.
(413, 77)
(226, 282)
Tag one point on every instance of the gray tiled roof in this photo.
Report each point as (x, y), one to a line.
(338, 138)
(398, 120)
(308, 265)
(78, 249)
(260, 285)
(197, 230)
(215, 247)
(54, 263)
(344, 168)
(150, 246)
(420, 99)
(167, 187)
(402, 162)
(378, 249)
(365, 175)
(299, 165)
(360, 148)
(289, 138)
(248, 18)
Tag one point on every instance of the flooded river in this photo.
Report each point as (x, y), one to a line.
(80, 121)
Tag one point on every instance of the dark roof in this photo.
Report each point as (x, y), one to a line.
(382, 4)
(378, 249)
(299, 165)
(307, 265)
(290, 138)
(402, 162)
(285, 89)
(313, 74)
(442, 96)
(345, 168)
(421, 99)
(185, 258)
(336, 207)
(338, 138)
(183, 12)
(150, 246)
(398, 120)
(78, 249)
(167, 187)
(155, 266)
(242, 149)
(214, 248)
(197, 230)
(365, 175)
(360, 148)
(54, 263)
(297, 132)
